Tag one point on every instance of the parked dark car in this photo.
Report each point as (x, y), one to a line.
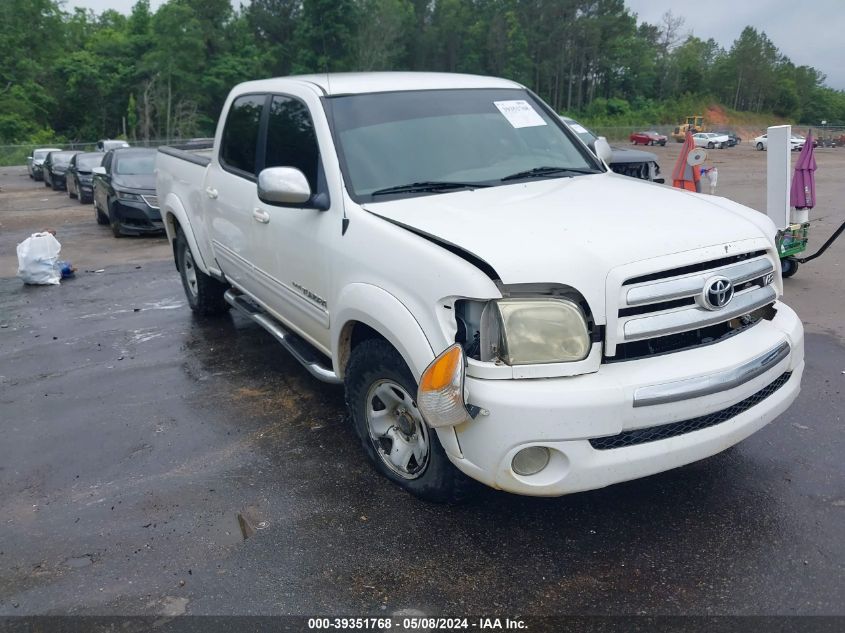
(733, 139)
(106, 145)
(35, 162)
(80, 178)
(628, 162)
(55, 168)
(125, 194)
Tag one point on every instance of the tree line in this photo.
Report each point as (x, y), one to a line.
(76, 75)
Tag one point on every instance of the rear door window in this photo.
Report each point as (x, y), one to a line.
(240, 136)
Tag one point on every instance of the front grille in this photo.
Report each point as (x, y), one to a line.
(694, 268)
(673, 429)
(634, 170)
(684, 340)
(666, 311)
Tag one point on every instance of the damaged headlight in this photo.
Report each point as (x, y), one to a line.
(535, 330)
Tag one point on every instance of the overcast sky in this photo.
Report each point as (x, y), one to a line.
(810, 32)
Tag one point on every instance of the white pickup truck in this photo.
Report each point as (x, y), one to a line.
(496, 303)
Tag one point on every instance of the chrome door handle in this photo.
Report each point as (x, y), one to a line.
(260, 216)
(211, 193)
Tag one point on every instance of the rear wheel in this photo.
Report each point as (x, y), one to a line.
(204, 293)
(380, 397)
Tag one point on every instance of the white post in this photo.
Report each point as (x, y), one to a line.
(778, 166)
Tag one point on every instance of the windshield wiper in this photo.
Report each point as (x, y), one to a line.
(429, 185)
(546, 171)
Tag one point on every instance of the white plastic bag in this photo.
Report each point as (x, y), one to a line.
(37, 259)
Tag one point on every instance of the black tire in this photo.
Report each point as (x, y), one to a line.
(710, 145)
(102, 218)
(759, 147)
(374, 361)
(789, 266)
(204, 293)
(73, 195)
(114, 223)
(46, 184)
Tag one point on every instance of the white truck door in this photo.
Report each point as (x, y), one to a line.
(229, 191)
(292, 243)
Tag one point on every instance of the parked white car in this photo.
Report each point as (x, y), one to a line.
(710, 140)
(35, 162)
(496, 303)
(796, 142)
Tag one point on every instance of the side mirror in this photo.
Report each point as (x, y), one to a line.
(603, 151)
(283, 185)
(101, 171)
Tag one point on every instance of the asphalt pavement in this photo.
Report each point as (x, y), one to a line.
(155, 463)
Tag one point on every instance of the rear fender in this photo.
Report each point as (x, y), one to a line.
(174, 215)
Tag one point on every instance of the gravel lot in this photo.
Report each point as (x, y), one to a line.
(152, 463)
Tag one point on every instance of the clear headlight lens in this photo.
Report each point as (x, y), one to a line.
(541, 330)
(134, 197)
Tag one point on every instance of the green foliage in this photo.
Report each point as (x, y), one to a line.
(70, 73)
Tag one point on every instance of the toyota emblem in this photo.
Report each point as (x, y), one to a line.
(718, 292)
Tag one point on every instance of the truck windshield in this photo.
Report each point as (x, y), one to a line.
(423, 142)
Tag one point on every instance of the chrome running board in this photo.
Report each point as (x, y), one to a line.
(300, 349)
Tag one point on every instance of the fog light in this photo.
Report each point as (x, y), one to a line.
(531, 460)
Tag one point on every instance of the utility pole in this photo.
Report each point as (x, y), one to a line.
(169, 75)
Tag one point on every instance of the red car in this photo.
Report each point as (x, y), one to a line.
(648, 138)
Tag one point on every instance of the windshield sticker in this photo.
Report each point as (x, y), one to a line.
(578, 129)
(519, 113)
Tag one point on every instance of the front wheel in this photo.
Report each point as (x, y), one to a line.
(380, 397)
(204, 293)
(102, 219)
(114, 221)
(710, 145)
(788, 267)
(75, 187)
(760, 147)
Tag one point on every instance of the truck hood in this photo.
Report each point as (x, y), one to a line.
(574, 231)
(625, 155)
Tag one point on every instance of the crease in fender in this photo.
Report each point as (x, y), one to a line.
(461, 252)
